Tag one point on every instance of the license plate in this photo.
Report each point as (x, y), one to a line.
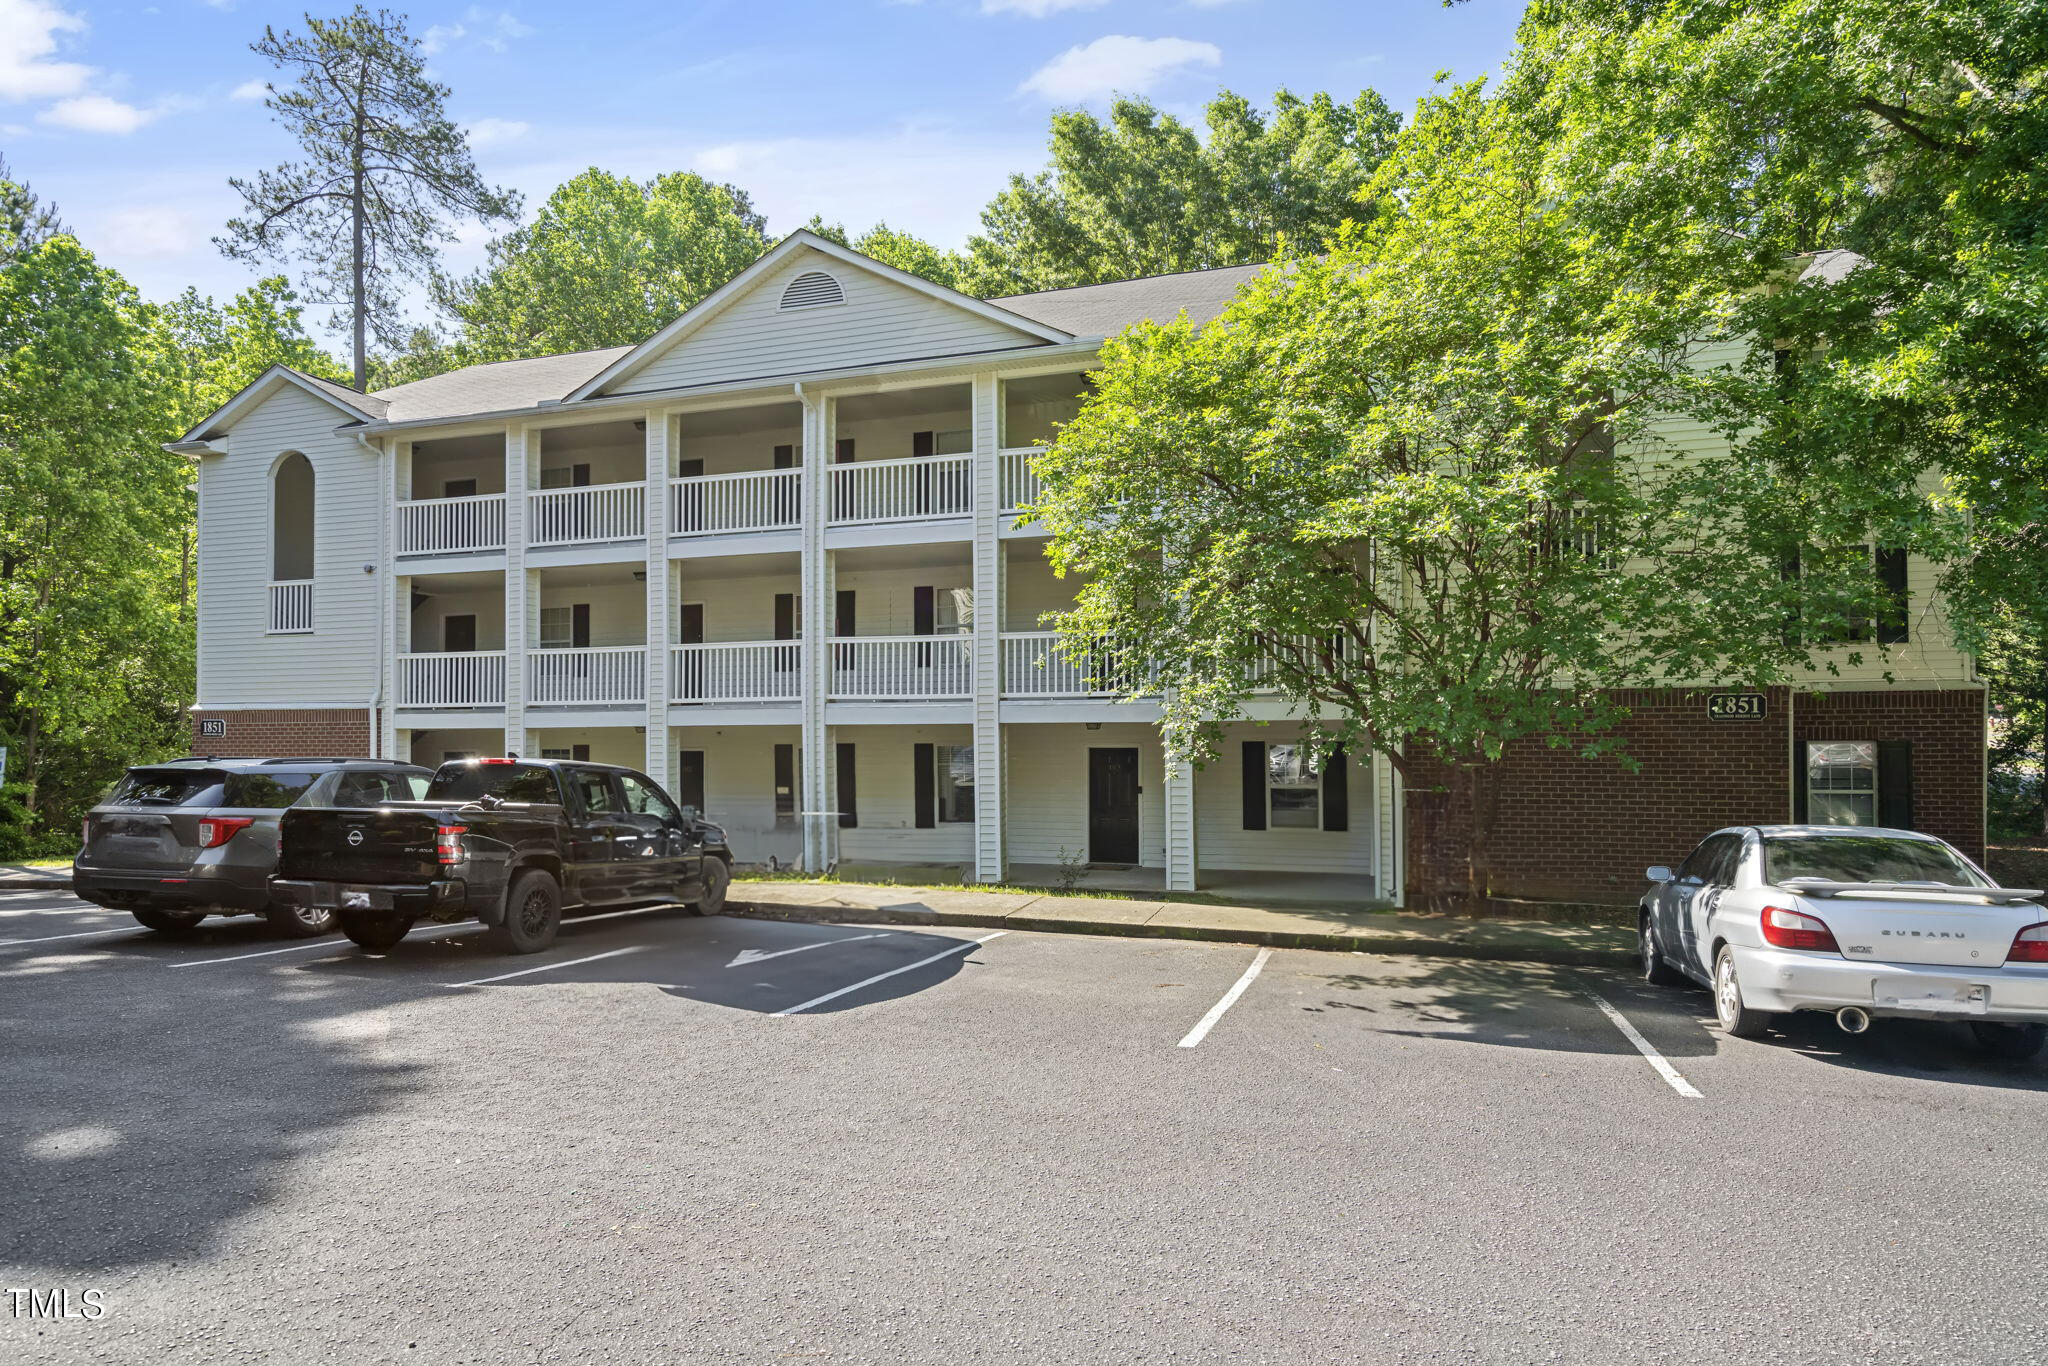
(1934, 996)
(364, 899)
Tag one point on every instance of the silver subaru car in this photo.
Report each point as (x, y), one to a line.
(1853, 920)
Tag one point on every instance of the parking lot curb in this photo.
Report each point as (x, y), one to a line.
(31, 883)
(1504, 944)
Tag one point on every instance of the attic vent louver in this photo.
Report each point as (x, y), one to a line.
(812, 289)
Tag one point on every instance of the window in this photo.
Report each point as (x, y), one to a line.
(557, 625)
(565, 477)
(689, 783)
(1865, 858)
(1713, 864)
(571, 752)
(458, 488)
(595, 792)
(291, 519)
(1846, 623)
(462, 781)
(953, 782)
(812, 289)
(1294, 788)
(456, 756)
(785, 782)
(643, 798)
(375, 789)
(1841, 782)
(266, 791)
(168, 787)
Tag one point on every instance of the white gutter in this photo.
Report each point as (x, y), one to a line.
(383, 595)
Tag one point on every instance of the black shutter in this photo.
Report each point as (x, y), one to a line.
(923, 443)
(1798, 782)
(842, 613)
(1336, 792)
(785, 780)
(689, 784)
(923, 613)
(579, 625)
(1255, 784)
(842, 450)
(785, 616)
(925, 784)
(848, 809)
(785, 457)
(1895, 784)
(579, 476)
(1891, 618)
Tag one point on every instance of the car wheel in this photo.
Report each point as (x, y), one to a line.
(169, 922)
(716, 880)
(300, 922)
(1736, 1018)
(1656, 971)
(533, 912)
(376, 933)
(2009, 1042)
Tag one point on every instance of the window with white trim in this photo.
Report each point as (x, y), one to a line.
(557, 627)
(953, 782)
(1841, 782)
(1294, 789)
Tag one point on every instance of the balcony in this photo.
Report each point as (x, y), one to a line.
(441, 526)
(915, 489)
(586, 515)
(900, 668)
(757, 500)
(1021, 484)
(1034, 667)
(602, 676)
(752, 671)
(470, 678)
(291, 606)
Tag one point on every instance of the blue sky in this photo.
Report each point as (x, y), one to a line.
(131, 117)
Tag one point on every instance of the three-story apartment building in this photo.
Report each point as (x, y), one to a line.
(772, 556)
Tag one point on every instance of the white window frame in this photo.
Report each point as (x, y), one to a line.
(1855, 794)
(568, 629)
(941, 782)
(1304, 778)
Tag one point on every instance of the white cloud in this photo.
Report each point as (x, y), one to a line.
(497, 132)
(1037, 9)
(96, 114)
(154, 232)
(1117, 64)
(28, 39)
(250, 90)
(493, 29)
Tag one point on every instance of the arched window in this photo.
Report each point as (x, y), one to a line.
(812, 289)
(291, 518)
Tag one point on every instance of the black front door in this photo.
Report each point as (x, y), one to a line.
(1113, 805)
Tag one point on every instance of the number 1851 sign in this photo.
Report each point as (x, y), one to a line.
(1736, 706)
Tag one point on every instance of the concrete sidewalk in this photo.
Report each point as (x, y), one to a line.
(21, 877)
(1299, 928)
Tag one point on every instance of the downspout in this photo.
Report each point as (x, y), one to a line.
(383, 630)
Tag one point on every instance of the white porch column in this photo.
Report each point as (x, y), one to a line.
(814, 799)
(660, 431)
(1390, 832)
(1182, 859)
(397, 602)
(522, 585)
(986, 641)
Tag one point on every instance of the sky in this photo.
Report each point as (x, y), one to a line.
(131, 117)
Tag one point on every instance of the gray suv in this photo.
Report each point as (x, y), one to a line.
(176, 842)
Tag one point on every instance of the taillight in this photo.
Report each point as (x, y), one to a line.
(448, 843)
(2030, 945)
(215, 831)
(497, 761)
(1788, 929)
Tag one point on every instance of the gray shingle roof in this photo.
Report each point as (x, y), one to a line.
(495, 387)
(366, 403)
(1099, 310)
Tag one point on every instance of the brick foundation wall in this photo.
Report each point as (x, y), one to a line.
(339, 731)
(1578, 829)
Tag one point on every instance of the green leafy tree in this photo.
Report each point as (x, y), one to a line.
(217, 351)
(905, 251)
(1144, 195)
(367, 206)
(95, 645)
(609, 261)
(1417, 488)
(25, 221)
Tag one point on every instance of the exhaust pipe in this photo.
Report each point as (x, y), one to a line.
(1853, 1019)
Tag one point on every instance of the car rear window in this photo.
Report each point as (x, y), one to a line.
(1865, 858)
(266, 791)
(507, 782)
(168, 787)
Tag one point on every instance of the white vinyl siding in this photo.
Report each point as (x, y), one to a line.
(881, 321)
(739, 787)
(1221, 841)
(335, 664)
(884, 771)
(1047, 806)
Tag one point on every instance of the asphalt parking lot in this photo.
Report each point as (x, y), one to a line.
(723, 1140)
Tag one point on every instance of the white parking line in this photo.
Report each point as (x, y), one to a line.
(451, 932)
(884, 976)
(1208, 1022)
(81, 934)
(549, 967)
(1643, 1046)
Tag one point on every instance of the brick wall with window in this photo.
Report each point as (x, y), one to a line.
(336, 731)
(1584, 829)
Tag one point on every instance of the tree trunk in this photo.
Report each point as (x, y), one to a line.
(2041, 783)
(359, 305)
(1482, 789)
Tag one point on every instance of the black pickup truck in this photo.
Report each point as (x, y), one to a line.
(509, 842)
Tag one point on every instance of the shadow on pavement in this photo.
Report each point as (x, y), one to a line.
(148, 1109)
(1926, 1049)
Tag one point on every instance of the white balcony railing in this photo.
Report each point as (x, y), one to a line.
(462, 678)
(757, 500)
(753, 671)
(596, 512)
(1033, 666)
(433, 526)
(903, 490)
(1259, 673)
(611, 673)
(893, 668)
(1021, 483)
(291, 606)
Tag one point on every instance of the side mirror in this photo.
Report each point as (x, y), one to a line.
(1658, 873)
(692, 816)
